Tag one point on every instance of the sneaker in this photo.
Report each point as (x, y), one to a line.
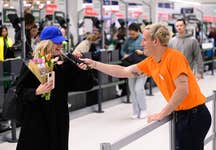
(134, 116)
(143, 114)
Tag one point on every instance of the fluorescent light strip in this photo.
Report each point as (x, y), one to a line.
(186, 2)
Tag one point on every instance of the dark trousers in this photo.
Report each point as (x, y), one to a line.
(191, 127)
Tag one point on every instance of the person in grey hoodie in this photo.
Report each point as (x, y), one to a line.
(189, 46)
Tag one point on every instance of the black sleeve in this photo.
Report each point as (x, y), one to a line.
(27, 94)
(77, 79)
(26, 84)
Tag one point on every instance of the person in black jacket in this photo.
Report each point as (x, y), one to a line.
(29, 20)
(45, 123)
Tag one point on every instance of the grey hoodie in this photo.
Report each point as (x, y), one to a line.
(191, 50)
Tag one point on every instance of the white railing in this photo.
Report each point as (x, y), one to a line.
(149, 128)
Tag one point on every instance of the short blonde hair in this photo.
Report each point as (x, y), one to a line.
(45, 45)
(159, 31)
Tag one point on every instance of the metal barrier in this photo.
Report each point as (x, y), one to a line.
(140, 133)
(212, 62)
(12, 122)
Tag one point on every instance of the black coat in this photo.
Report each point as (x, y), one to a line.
(45, 124)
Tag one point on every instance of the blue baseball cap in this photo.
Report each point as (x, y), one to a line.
(52, 33)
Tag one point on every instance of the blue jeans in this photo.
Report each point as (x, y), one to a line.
(137, 93)
(191, 127)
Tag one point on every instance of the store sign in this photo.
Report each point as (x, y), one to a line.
(166, 5)
(50, 8)
(187, 10)
(117, 14)
(163, 16)
(137, 14)
(61, 5)
(177, 16)
(36, 14)
(207, 45)
(89, 11)
(106, 2)
(209, 19)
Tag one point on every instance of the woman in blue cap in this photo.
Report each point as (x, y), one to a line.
(45, 124)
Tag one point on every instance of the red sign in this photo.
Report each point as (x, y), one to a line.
(50, 8)
(117, 13)
(163, 16)
(89, 11)
(137, 13)
(209, 19)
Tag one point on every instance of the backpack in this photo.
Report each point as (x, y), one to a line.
(133, 58)
(12, 104)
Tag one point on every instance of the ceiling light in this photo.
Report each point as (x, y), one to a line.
(38, 2)
(6, 5)
(48, 2)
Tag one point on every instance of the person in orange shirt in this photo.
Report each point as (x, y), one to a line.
(173, 76)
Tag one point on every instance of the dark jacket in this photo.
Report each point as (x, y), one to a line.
(18, 43)
(45, 124)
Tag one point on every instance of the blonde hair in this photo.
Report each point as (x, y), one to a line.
(159, 31)
(45, 45)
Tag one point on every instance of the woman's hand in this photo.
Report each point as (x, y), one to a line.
(44, 88)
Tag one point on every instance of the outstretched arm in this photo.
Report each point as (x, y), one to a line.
(112, 70)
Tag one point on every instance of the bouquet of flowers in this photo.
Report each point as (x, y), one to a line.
(41, 67)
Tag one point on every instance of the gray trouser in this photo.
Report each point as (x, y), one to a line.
(137, 93)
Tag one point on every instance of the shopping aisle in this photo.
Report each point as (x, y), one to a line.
(87, 132)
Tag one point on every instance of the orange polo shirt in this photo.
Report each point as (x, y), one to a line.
(172, 64)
